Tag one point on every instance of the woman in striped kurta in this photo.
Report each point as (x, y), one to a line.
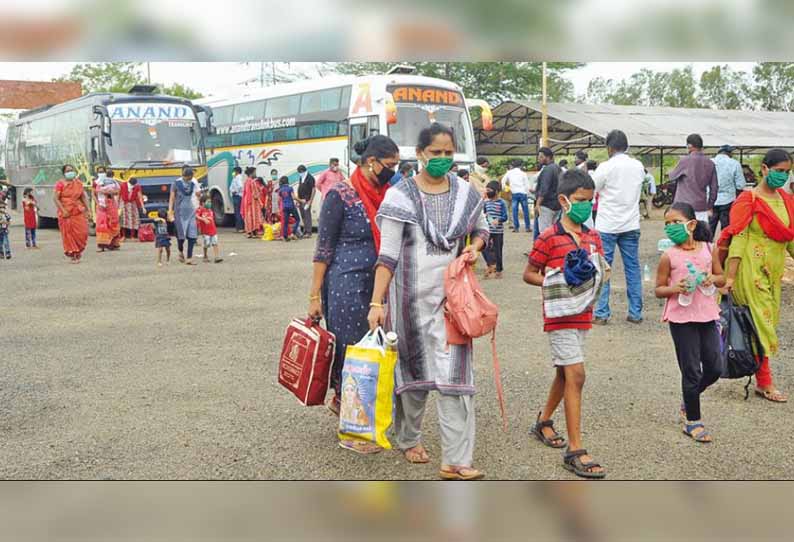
(424, 222)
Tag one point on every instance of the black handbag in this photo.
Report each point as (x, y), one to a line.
(740, 344)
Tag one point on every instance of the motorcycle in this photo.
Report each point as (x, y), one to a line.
(665, 193)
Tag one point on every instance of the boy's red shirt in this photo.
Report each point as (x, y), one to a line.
(203, 227)
(550, 250)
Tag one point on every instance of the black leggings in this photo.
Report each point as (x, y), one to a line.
(191, 242)
(696, 344)
(493, 251)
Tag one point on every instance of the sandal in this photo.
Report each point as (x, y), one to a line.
(417, 455)
(333, 406)
(452, 472)
(703, 436)
(572, 461)
(775, 396)
(360, 447)
(537, 430)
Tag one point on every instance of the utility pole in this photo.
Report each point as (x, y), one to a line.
(544, 123)
(273, 68)
(261, 74)
(148, 73)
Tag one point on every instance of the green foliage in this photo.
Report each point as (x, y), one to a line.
(723, 88)
(774, 85)
(183, 91)
(494, 82)
(120, 77)
(106, 76)
(2, 173)
(677, 88)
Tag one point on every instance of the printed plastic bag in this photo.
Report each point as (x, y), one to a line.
(367, 403)
(268, 233)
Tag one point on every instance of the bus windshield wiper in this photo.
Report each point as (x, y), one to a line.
(155, 163)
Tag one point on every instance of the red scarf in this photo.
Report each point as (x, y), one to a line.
(748, 206)
(371, 196)
(129, 194)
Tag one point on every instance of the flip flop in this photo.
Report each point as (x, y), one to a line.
(773, 396)
(453, 473)
(417, 456)
(363, 448)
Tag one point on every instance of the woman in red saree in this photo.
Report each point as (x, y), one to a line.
(108, 226)
(131, 197)
(73, 213)
(252, 204)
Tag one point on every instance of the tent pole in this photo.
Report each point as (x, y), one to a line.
(741, 156)
(661, 165)
(544, 128)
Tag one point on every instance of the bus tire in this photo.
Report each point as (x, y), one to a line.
(46, 223)
(221, 218)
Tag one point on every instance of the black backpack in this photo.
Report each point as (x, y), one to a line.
(740, 344)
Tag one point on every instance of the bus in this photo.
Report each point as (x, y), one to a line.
(137, 134)
(309, 122)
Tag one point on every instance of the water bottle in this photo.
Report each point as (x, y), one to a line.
(391, 341)
(646, 273)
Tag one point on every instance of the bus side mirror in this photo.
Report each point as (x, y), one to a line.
(391, 109)
(486, 115)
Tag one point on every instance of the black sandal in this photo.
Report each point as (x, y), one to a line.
(537, 430)
(572, 461)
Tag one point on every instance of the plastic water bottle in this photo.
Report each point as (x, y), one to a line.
(646, 273)
(391, 341)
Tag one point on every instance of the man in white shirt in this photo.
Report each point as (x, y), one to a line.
(236, 190)
(580, 160)
(619, 185)
(518, 182)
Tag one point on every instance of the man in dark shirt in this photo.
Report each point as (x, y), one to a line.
(306, 192)
(696, 179)
(547, 206)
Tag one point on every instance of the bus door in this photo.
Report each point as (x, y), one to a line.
(360, 128)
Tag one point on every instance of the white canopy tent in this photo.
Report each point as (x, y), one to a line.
(571, 127)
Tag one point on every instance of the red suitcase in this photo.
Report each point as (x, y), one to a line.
(306, 360)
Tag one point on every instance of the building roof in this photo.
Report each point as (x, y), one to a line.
(582, 126)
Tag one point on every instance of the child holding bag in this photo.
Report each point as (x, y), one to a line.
(686, 277)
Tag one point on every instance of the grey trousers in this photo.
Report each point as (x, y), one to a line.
(306, 219)
(456, 424)
(547, 218)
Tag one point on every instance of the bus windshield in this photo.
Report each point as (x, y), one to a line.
(153, 133)
(411, 119)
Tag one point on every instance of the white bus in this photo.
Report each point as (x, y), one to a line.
(309, 122)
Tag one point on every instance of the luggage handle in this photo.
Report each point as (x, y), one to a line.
(312, 322)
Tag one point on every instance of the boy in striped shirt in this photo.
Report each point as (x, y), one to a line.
(567, 334)
(495, 210)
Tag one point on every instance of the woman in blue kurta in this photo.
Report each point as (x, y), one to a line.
(347, 248)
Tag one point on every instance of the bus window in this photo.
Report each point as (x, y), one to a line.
(358, 132)
(222, 116)
(286, 106)
(248, 111)
(374, 125)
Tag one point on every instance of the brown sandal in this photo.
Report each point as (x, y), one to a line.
(452, 472)
(417, 457)
(774, 396)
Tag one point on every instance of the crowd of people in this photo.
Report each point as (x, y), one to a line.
(387, 234)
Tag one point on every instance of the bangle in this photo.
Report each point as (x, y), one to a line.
(378, 305)
(314, 298)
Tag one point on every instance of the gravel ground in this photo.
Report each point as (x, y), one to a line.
(115, 369)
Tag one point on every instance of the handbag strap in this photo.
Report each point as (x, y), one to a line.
(497, 375)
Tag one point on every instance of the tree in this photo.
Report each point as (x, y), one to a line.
(724, 88)
(183, 91)
(494, 82)
(106, 76)
(677, 88)
(773, 86)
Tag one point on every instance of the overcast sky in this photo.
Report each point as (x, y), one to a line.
(220, 78)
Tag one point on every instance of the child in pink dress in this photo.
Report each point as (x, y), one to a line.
(686, 277)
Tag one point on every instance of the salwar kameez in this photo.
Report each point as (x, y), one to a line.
(758, 280)
(421, 234)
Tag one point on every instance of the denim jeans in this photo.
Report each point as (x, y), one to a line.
(523, 200)
(629, 244)
(237, 201)
(5, 247)
(30, 237)
(285, 214)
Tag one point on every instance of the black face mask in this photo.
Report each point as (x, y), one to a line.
(385, 175)
(133, 182)
(490, 193)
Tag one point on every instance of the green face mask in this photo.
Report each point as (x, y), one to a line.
(776, 179)
(208, 205)
(438, 167)
(580, 211)
(677, 233)
(70, 175)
